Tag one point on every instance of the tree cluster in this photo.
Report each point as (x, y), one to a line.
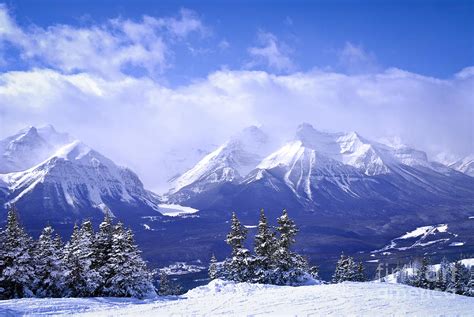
(273, 261)
(449, 277)
(348, 270)
(103, 263)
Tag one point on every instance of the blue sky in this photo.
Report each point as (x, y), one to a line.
(432, 38)
(167, 77)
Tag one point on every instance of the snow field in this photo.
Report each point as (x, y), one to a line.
(222, 298)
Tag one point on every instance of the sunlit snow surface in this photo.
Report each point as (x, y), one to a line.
(174, 210)
(221, 298)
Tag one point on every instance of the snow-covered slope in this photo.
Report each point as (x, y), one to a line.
(221, 298)
(464, 165)
(370, 157)
(319, 168)
(72, 181)
(82, 176)
(29, 147)
(229, 162)
(420, 237)
(304, 168)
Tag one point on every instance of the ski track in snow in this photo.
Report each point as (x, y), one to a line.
(229, 299)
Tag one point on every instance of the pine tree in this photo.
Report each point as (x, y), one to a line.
(291, 267)
(81, 279)
(17, 273)
(265, 247)
(166, 287)
(421, 278)
(314, 272)
(102, 251)
(360, 274)
(470, 283)
(129, 276)
(348, 270)
(459, 279)
(213, 273)
(288, 230)
(238, 268)
(49, 266)
(339, 272)
(443, 275)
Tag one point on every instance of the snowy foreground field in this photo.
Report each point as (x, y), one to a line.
(229, 299)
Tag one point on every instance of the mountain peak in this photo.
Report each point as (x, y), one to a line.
(73, 151)
(304, 130)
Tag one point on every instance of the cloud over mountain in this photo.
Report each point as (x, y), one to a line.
(83, 79)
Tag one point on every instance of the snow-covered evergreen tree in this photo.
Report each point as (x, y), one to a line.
(213, 273)
(348, 270)
(82, 279)
(360, 273)
(102, 251)
(443, 275)
(49, 265)
(128, 273)
(422, 277)
(239, 267)
(288, 230)
(291, 268)
(340, 271)
(265, 248)
(314, 272)
(166, 287)
(16, 260)
(470, 283)
(459, 279)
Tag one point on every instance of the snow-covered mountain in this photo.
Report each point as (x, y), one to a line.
(67, 180)
(228, 163)
(346, 192)
(342, 189)
(319, 170)
(464, 165)
(29, 147)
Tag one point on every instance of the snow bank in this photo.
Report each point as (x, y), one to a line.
(220, 298)
(225, 288)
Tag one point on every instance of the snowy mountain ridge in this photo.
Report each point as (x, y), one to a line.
(464, 165)
(29, 147)
(229, 162)
(72, 178)
(312, 161)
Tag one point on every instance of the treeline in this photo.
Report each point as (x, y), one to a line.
(273, 262)
(447, 277)
(103, 263)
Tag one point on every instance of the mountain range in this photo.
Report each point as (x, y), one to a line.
(345, 191)
(319, 172)
(53, 178)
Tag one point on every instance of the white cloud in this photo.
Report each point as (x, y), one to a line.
(223, 45)
(106, 49)
(150, 120)
(271, 52)
(79, 86)
(355, 59)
